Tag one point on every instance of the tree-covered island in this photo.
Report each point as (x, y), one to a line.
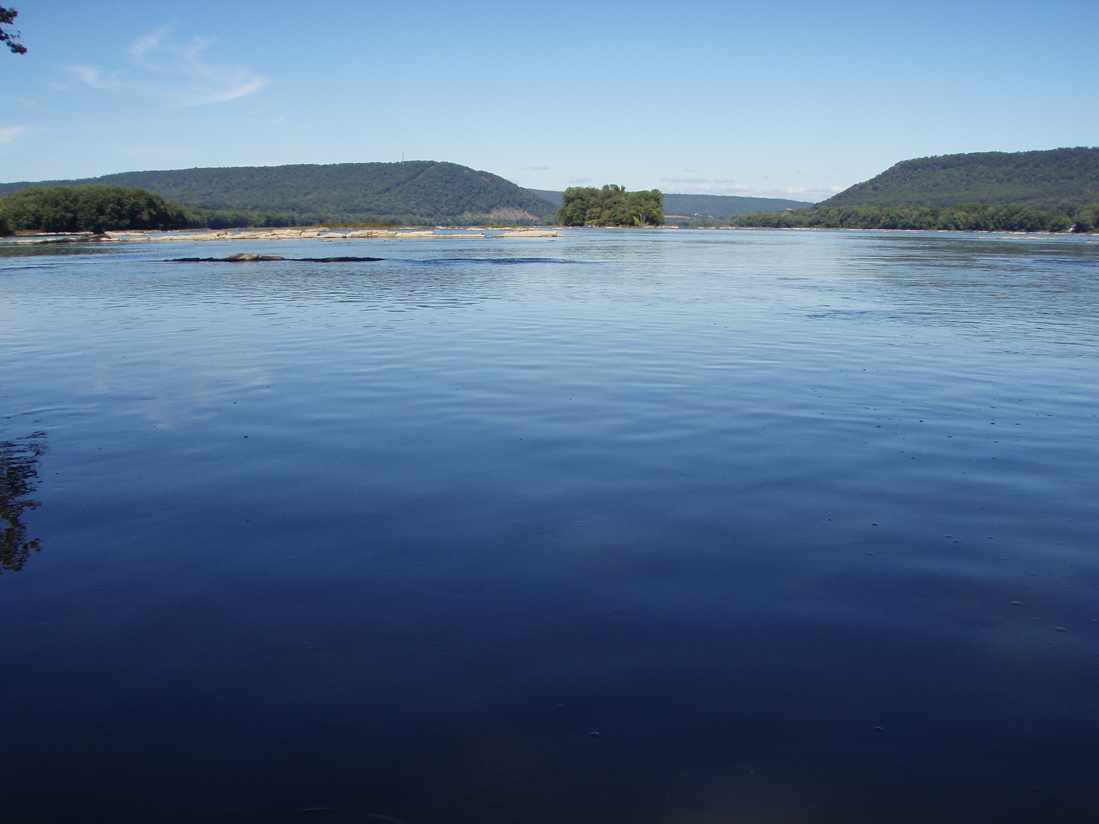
(611, 206)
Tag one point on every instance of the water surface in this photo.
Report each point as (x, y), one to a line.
(621, 526)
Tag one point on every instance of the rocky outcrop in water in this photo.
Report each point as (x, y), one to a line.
(248, 257)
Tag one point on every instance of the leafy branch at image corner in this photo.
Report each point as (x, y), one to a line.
(8, 37)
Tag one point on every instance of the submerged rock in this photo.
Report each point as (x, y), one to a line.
(249, 257)
(340, 259)
(244, 257)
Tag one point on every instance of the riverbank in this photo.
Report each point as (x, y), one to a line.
(304, 233)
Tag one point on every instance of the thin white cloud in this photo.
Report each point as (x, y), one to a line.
(706, 182)
(148, 43)
(171, 72)
(85, 74)
(242, 87)
(730, 186)
(9, 134)
(214, 84)
(93, 76)
(193, 51)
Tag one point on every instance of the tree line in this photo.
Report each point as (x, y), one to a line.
(111, 208)
(978, 218)
(611, 206)
(88, 209)
(115, 208)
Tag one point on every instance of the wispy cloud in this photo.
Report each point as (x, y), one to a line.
(212, 83)
(148, 42)
(9, 134)
(731, 186)
(86, 74)
(242, 87)
(172, 71)
(708, 182)
(95, 77)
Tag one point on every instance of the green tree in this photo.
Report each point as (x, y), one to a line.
(1086, 219)
(90, 208)
(8, 37)
(988, 218)
(611, 206)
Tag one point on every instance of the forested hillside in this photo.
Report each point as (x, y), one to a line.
(422, 192)
(1056, 178)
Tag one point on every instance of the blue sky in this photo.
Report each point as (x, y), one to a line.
(784, 99)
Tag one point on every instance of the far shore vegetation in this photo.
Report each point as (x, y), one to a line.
(979, 218)
(98, 209)
(1055, 190)
(411, 193)
(611, 206)
(1047, 179)
(88, 209)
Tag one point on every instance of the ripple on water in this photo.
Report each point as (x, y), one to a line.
(801, 523)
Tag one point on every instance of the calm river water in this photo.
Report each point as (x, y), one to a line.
(671, 527)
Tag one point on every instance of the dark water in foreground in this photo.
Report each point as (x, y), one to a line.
(638, 527)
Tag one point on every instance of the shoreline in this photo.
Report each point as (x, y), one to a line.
(444, 233)
(1042, 232)
(304, 233)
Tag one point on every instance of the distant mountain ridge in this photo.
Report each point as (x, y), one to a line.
(1051, 178)
(706, 206)
(415, 191)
